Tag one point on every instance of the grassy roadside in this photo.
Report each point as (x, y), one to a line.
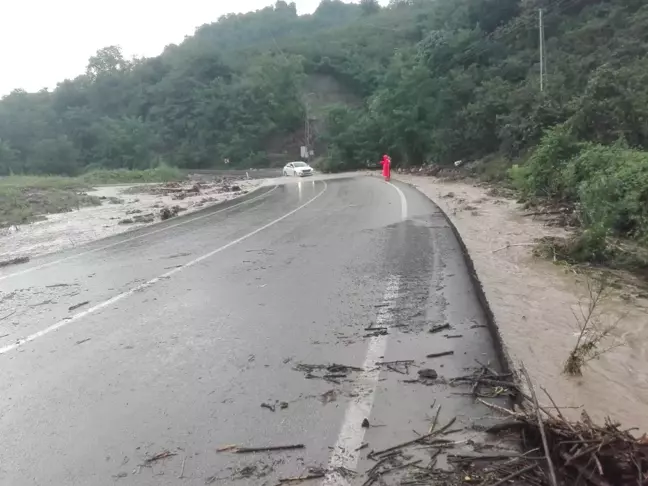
(25, 199)
(124, 176)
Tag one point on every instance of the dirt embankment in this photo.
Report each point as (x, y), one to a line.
(535, 304)
(122, 208)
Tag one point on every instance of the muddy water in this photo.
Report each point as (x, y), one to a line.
(68, 230)
(534, 302)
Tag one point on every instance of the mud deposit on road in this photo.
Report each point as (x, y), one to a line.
(124, 207)
(534, 302)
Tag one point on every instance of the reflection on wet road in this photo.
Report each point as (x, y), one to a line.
(136, 359)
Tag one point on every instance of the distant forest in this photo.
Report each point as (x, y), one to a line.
(435, 80)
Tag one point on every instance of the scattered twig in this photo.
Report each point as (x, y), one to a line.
(8, 315)
(439, 355)
(439, 328)
(83, 341)
(475, 386)
(417, 440)
(306, 477)
(377, 332)
(498, 408)
(76, 306)
(247, 450)
(184, 460)
(227, 448)
(390, 367)
(159, 456)
(403, 361)
(436, 419)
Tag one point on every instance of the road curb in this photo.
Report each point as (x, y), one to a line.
(500, 347)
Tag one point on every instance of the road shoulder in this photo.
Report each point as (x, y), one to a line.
(532, 302)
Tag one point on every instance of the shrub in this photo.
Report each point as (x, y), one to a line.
(614, 190)
(542, 175)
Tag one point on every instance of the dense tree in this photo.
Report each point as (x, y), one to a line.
(435, 81)
(108, 60)
(369, 7)
(53, 156)
(8, 158)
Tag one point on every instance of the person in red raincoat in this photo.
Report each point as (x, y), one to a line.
(386, 163)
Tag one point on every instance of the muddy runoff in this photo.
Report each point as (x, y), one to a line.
(536, 304)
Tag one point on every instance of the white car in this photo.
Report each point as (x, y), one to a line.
(297, 169)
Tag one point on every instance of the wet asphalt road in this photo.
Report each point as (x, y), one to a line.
(192, 324)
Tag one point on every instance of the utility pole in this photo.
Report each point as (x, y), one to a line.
(307, 131)
(542, 50)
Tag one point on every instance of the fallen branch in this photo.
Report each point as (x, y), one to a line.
(435, 421)
(159, 456)
(317, 475)
(76, 306)
(248, 450)
(396, 370)
(440, 328)
(552, 471)
(403, 361)
(439, 355)
(8, 315)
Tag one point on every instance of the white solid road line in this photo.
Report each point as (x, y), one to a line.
(153, 281)
(346, 451)
(126, 240)
(403, 201)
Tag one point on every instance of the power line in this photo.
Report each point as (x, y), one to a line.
(541, 34)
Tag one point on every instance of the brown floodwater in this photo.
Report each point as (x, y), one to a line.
(535, 302)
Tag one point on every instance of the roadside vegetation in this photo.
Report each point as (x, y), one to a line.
(605, 185)
(28, 198)
(124, 176)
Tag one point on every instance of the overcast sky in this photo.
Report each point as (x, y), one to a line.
(45, 41)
